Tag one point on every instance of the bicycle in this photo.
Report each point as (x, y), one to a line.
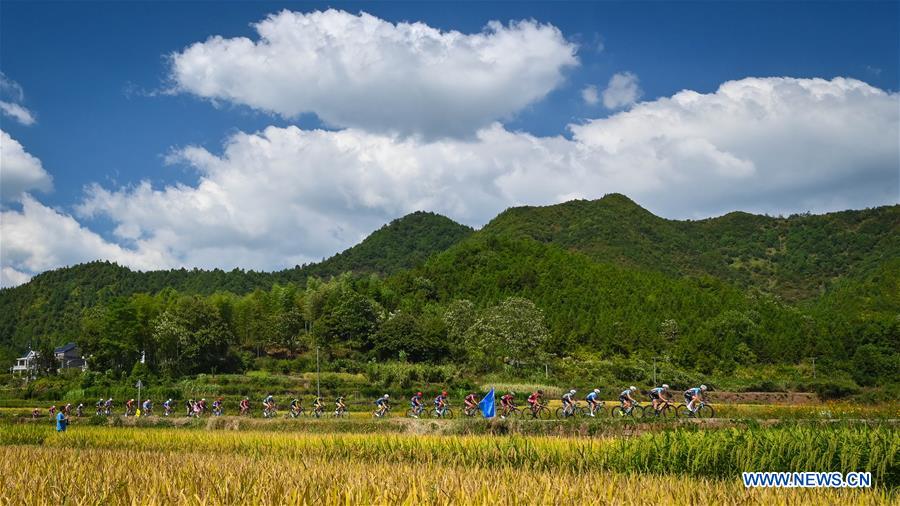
(703, 410)
(511, 412)
(417, 412)
(218, 410)
(169, 411)
(270, 411)
(339, 413)
(296, 412)
(635, 411)
(540, 412)
(471, 411)
(381, 412)
(599, 410)
(317, 411)
(444, 412)
(573, 411)
(666, 410)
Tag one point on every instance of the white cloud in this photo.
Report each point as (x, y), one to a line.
(19, 170)
(11, 277)
(622, 91)
(589, 95)
(38, 238)
(17, 112)
(285, 195)
(359, 71)
(10, 105)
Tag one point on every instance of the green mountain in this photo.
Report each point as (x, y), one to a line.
(795, 257)
(52, 302)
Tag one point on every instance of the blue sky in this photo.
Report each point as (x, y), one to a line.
(111, 112)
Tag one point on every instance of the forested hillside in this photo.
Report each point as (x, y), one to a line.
(52, 303)
(581, 280)
(795, 258)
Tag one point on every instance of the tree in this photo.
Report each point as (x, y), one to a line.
(513, 332)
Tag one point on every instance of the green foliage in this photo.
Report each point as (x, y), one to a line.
(602, 282)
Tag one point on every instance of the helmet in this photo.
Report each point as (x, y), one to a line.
(596, 390)
(702, 387)
(632, 388)
(444, 393)
(512, 394)
(540, 392)
(418, 394)
(665, 386)
(572, 391)
(386, 396)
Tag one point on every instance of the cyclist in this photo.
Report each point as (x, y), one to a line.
(693, 395)
(217, 406)
(626, 398)
(440, 403)
(129, 407)
(534, 400)
(79, 411)
(593, 400)
(107, 406)
(99, 407)
(339, 406)
(269, 403)
(67, 409)
(52, 411)
(147, 407)
(189, 407)
(568, 401)
(318, 407)
(35, 413)
(383, 405)
(471, 402)
(507, 403)
(415, 402)
(295, 407)
(659, 396)
(245, 406)
(168, 407)
(201, 407)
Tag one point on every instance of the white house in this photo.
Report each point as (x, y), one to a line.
(26, 364)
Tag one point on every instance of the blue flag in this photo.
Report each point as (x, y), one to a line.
(487, 405)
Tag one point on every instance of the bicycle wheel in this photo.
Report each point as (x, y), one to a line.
(560, 414)
(637, 412)
(706, 411)
(667, 412)
(541, 413)
(620, 412)
(448, 413)
(682, 411)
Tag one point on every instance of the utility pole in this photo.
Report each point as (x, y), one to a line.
(814, 367)
(318, 392)
(654, 371)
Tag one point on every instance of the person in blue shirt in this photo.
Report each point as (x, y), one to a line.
(440, 403)
(62, 421)
(692, 396)
(593, 400)
(659, 396)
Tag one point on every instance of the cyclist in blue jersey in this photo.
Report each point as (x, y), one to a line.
(593, 400)
(692, 396)
(659, 396)
(415, 402)
(626, 398)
